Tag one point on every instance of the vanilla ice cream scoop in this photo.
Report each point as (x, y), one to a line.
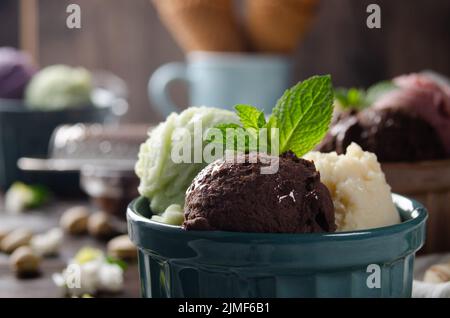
(361, 196)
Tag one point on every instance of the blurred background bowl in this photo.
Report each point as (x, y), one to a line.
(26, 133)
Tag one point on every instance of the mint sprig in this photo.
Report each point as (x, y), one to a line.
(250, 116)
(357, 98)
(351, 98)
(302, 116)
(230, 140)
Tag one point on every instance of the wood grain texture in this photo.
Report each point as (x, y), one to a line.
(429, 183)
(124, 37)
(9, 23)
(29, 27)
(127, 38)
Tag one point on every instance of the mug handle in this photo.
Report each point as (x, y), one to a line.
(158, 86)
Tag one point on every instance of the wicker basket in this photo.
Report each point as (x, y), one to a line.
(429, 183)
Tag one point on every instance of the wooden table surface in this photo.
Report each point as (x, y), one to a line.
(42, 286)
(47, 217)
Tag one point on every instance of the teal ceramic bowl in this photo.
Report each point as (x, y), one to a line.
(369, 263)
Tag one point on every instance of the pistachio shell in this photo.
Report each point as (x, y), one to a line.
(15, 239)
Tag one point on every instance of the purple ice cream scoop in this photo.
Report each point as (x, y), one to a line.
(16, 69)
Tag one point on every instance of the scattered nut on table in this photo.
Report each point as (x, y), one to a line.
(439, 273)
(15, 239)
(99, 225)
(48, 243)
(121, 247)
(24, 262)
(74, 220)
(4, 233)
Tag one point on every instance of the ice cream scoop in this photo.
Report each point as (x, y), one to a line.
(408, 123)
(393, 134)
(16, 69)
(421, 95)
(360, 193)
(59, 87)
(233, 195)
(162, 180)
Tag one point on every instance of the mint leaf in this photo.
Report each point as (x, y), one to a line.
(352, 98)
(223, 128)
(303, 114)
(271, 123)
(241, 139)
(115, 261)
(235, 137)
(41, 195)
(355, 98)
(379, 89)
(250, 116)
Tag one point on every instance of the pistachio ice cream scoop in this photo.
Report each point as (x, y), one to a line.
(59, 87)
(162, 180)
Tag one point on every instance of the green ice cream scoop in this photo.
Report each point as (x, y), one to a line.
(59, 87)
(164, 181)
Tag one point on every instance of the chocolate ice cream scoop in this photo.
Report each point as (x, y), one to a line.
(233, 196)
(392, 134)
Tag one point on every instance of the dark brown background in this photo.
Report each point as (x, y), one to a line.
(8, 23)
(127, 38)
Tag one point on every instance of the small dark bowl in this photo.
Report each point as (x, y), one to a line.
(26, 133)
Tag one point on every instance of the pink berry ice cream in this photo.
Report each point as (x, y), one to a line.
(421, 95)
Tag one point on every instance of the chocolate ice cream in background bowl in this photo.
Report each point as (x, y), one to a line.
(406, 124)
(284, 222)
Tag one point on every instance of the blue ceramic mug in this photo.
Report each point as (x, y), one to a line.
(223, 80)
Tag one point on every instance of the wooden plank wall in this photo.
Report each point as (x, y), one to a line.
(9, 21)
(127, 38)
(124, 37)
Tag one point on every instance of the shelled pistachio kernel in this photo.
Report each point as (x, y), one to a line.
(74, 220)
(23, 261)
(3, 233)
(122, 247)
(15, 239)
(99, 225)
